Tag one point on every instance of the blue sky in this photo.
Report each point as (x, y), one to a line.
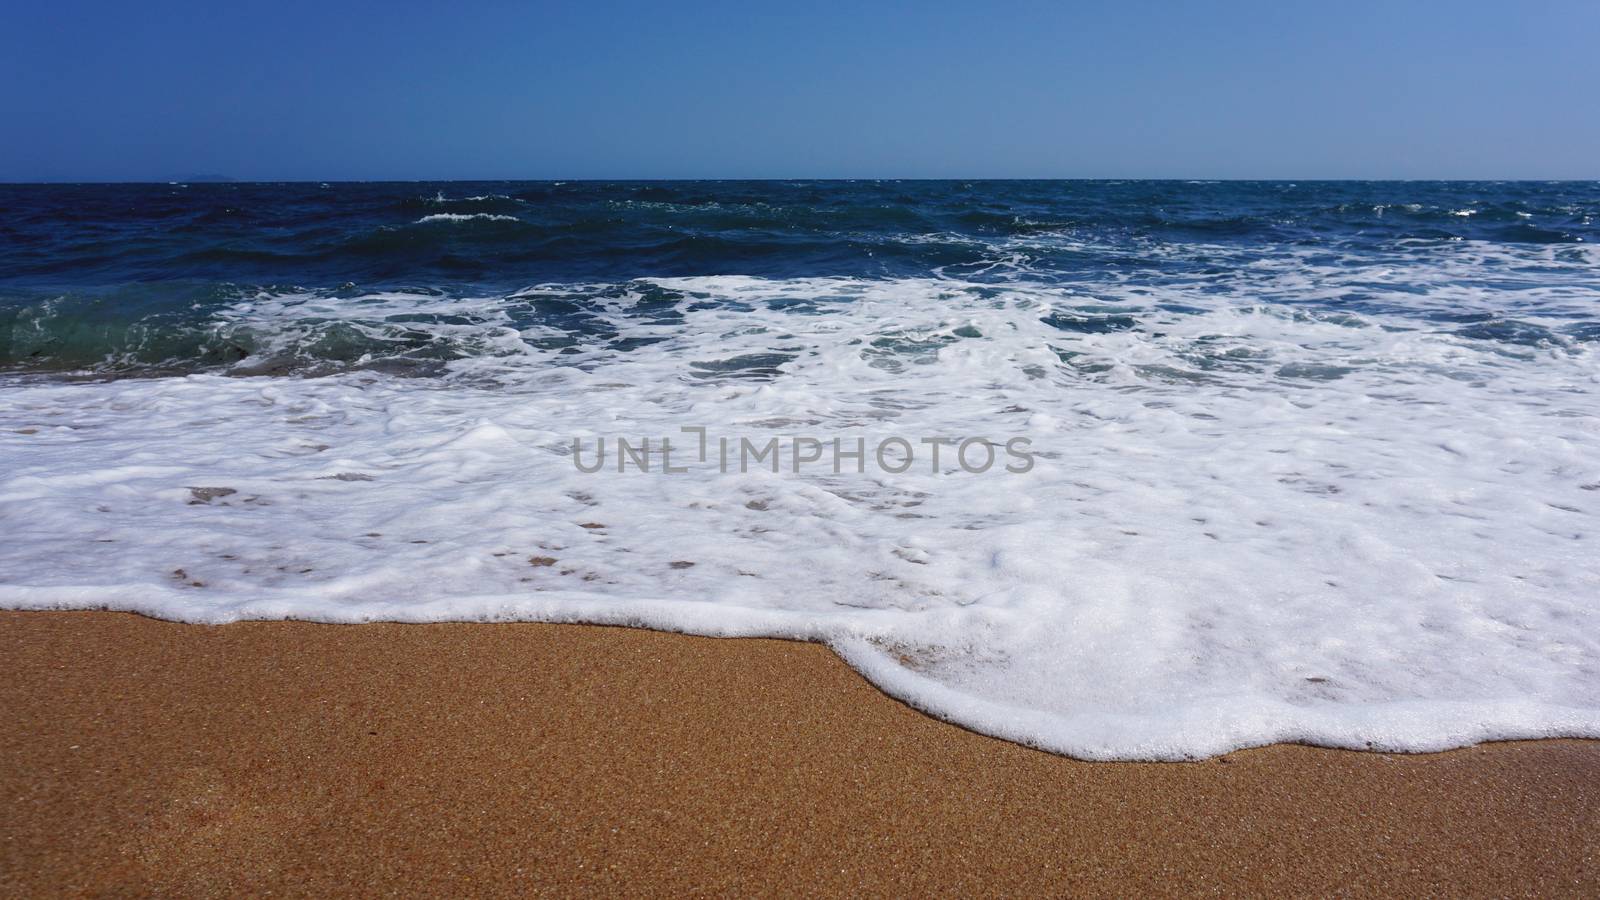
(599, 89)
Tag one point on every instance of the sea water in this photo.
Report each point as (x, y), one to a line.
(1218, 464)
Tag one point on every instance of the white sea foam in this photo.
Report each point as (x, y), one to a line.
(465, 217)
(441, 199)
(1248, 522)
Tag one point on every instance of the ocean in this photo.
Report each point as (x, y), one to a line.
(1122, 470)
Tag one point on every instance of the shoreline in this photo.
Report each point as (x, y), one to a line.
(149, 756)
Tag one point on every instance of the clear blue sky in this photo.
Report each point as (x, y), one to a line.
(601, 89)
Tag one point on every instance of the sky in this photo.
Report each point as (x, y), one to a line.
(287, 90)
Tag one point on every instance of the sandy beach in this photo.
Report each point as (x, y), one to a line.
(143, 757)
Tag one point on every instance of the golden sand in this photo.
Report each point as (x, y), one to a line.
(139, 756)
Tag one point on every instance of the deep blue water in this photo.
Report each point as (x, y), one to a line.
(123, 277)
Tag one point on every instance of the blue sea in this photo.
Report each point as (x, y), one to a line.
(1123, 470)
(123, 279)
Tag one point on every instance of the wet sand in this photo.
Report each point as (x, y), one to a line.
(139, 756)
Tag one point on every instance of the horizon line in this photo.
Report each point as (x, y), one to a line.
(218, 180)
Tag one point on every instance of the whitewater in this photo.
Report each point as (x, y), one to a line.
(1251, 512)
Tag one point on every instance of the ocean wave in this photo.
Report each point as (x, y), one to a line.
(1310, 463)
(1454, 289)
(477, 203)
(1245, 523)
(465, 217)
